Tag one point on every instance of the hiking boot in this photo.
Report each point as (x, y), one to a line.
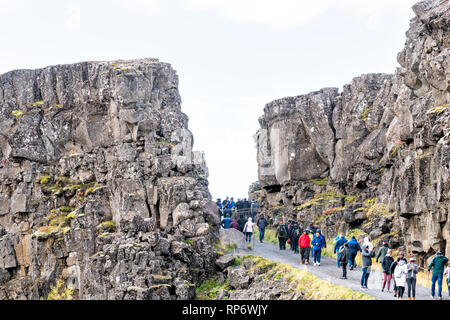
(409, 298)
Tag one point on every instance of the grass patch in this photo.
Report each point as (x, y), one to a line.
(17, 113)
(209, 289)
(438, 109)
(320, 182)
(60, 291)
(311, 287)
(107, 226)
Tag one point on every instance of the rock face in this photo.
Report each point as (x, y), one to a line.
(374, 157)
(99, 184)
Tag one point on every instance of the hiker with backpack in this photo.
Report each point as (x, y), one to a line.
(304, 243)
(367, 256)
(254, 209)
(339, 243)
(400, 278)
(386, 268)
(294, 235)
(343, 254)
(248, 230)
(282, 234)
(262, 224)
(382, 252)
(354, 248)
(437, 264)
(317, 243)
(411, 280)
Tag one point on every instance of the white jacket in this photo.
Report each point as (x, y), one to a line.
(248, 227)
(400, 273)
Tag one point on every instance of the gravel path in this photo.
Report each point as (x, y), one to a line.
(328, 271)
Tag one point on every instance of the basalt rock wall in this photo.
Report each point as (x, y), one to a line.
(373, 158)
(100, 191)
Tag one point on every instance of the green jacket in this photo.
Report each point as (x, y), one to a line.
(438, 264)
(382, 253)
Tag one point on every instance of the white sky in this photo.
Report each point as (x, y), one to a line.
(232, 56)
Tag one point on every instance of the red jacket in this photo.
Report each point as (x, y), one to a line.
(304, 241)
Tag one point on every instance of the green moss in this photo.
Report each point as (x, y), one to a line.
(60, 291)
(438, 109)
(209, 289)
(65, 209)
(320, 182)
(43, 180)
(17, 113)
(58, 105)
(37, 104)
(190, 242)
(46, 232)
(109, 226)
(163, 141)
(365, 114)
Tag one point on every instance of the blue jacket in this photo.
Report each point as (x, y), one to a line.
(354, 247)
(339, 243)
(226, 222)
(317, 242)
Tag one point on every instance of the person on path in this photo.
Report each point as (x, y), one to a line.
(262, 224)
(382, 252)
(234, 224)
(367, 256)
(411, 280)
(304, 243)
(354, 247)
(447, 273)
(401, 256)
(400, 278)
(248, 230)
(367, 243)
(386, 267)
(282, 234)
(226, 222)
(339, 243)
(241, 221)
(219, 207)
(294, 235)
(254, 209)
(438, 265)
(317, 243)
(344, 254)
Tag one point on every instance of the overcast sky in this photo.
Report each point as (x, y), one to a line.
(232, 56)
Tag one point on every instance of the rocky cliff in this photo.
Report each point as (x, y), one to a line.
(100, 190)
(373, 158)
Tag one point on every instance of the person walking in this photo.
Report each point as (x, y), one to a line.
(367, 256)
(318, 244)
(337, 246)
(447, 272)
(282, 234)
(437, 264)
(262, 224)
(400, 274)
(248, 230)
(401, 256)
(241, 221)
(344, 253)
(382, 252)
(254, 209)
(234, 225)
(226, 222)
(386, 267)
(354, 247)
(412, 270)
(305, 243)
(294, 235)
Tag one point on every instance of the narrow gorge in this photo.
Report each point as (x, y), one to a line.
(102, 196)
(373, 158)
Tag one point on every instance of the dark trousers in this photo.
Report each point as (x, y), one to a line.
(304, 251)
(248, 236)
(365, 277)
(351, 259)
(294, 243)
(317, 255)
(282, 242)
(400, 290)
(411, 287)
(344, 270)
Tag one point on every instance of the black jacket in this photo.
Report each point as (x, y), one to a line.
(262, 223)
(386, 264)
